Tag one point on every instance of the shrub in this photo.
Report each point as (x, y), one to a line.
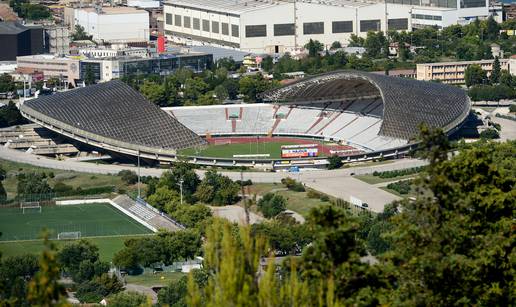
(489, 134)
(293, 185)
(128, 176)
(325, 198)
(313, 194)
(512, 108)
(397, 173)
(402, 187)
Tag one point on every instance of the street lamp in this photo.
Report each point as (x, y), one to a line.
(180, 184)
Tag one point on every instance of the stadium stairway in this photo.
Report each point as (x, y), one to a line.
(144, 213)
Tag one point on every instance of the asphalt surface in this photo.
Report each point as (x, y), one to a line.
(337, 183)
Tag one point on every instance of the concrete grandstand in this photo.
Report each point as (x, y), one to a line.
(358, 115)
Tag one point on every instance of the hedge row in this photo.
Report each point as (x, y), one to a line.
(398, 173)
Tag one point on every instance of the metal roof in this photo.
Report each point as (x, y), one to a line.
(242, 6)
(10, 27)
(406, 102)
(114, 113)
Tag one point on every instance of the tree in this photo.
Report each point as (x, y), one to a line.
(493, 29)
(15, 271)
(11, 116)
(30, 184)
(80, 34)
(7, 83)
(507, 79)
(154, 93)
(474, 74)
(129, 299)
(272, 204)
(334, 162)
(181, 171)
(93, 291)
(489, 134)
(336, 45)
(44, 289)
(174, 295)
(457, 246)
(129, 177)
(191, 215)
(314, 47)
(89, 76)
(267, 64)
(164, 197)
(495, 73)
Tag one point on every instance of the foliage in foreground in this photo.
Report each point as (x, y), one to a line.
(455, 245)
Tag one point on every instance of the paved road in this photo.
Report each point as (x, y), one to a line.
(337, 183)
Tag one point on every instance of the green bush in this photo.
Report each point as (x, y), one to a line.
(397, 173)
(293, 185)
(313, 194)
(128, 176)
(402, 187)
(491, 92)
(489, 134)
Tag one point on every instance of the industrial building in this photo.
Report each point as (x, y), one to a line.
(280, 26)
(111, 24)
(17, 40)
(63, 68)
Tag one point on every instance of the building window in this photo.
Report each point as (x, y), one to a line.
(398, 24)
(177, 20)
(235, 31)
(225, 28)
(313, 28)
(472, 3)
(206, 25)
(215, 26)
(168, 19)
(186, 22)
(196, 23)
(342, 26)
(256, 31)
(284, 29)
(370, 25)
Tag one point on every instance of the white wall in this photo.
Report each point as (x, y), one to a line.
(115, 27)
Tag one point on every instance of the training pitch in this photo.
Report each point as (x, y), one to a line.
(90, 219)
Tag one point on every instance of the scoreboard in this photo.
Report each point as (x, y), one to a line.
(299, 151)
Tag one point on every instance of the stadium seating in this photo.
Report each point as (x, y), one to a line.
(355, 122)
(142, 212)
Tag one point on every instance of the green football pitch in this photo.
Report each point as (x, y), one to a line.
(90, 219)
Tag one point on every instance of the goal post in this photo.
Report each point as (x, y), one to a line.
(30, 205)
(69, 235)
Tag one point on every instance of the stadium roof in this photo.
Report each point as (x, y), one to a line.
(407, 102)
(113, 113)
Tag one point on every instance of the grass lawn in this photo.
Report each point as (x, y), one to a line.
(74, 179)
(296, 201)
(369, 178)
(150, 280)
(228, 150)
(108, 246)
(89, 219)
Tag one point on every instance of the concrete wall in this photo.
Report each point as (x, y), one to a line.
(127, 27)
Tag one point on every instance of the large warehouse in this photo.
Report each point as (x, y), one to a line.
(356, 115)
(277, 26)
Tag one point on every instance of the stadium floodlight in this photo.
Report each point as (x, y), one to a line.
(69, 235)
(30, 205)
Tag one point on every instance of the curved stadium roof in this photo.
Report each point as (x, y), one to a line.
(112, 113)
(406, 102)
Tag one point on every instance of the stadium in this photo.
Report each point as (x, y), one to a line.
(356, 115)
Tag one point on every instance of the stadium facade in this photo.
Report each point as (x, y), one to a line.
(278, 26)
(375, 115)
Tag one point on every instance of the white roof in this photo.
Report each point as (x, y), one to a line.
(242, 6)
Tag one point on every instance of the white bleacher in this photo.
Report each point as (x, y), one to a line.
(142, 212)
(256, 119)
(357, 123)
(298, 121)
(203, 119)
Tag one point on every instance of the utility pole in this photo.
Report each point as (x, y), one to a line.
(181, 189)
(139, 180)
(246, 202)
